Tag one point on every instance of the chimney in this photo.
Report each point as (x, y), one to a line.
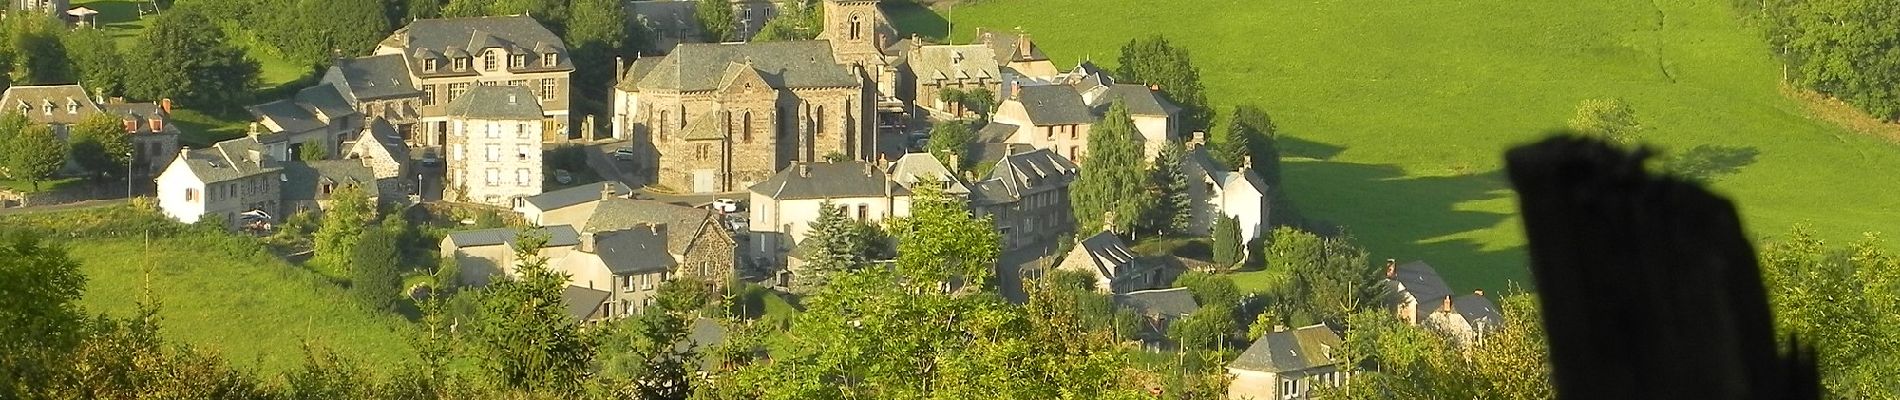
(1154, 88)
(1479, 292)
(1391, 268)
(1246, 162)
(1196, 140)
(165, 104)
(606, 191)
(804, 170)
(1108, 221)
(253, 131)
(1022, 46)
(870, 169)
(620, 67)
(1446, 308)
(588, 241)
(655, 230)
(1015, 89)
(98, 96)
(954, 161)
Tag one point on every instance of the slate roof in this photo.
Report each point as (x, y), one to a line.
(582, 302)
(562, 235)
(1172, 302)
(36, 98)
(326, 99)
(667, 17)
(380, 133)
(630, 79)
(376, 77)
(641, 249)
(1007, 46)
(995, 132)
(497, 102)
(914, 167)
(1478, 310)
(578, 194)
(1293, 350)
(228, 160)
(1107, 254)
(824, 180)
(1139, 100)
(1026, 172)
(1054, 105)
(303, 179)
(1422, 282)
(463, 36)
(953, 62)
(683, 225)
(286, 115)
(783, 64)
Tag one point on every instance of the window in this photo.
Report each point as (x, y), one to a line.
(488, 61)
(72, 107)
(1049, 132)
(821, 121)
(626, 283)
(864, 212)
(701, 151)
(493, 129)
(191, 194)
(494, 177)
(521, 132)
(607, 308)
(518, 82)
(158, 125)
(489, 83)
(48, 107)
(857, 27)
(522, 177)
(1071, 129)
(745, 127)
(517, 60)
(494, 152)
(521, 151)
(428, 95)
(461, 63)
(550, 60)
(1074, 153)
(456, 90)
(429, 65)
(646, 282)
(547, 88)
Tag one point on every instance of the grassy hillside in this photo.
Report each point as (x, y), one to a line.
(1398, 111)
(253, 308)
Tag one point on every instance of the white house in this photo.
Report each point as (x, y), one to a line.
(229, 178)
(495, 145)
(1215, 191)
(784, 205)
(1287, 365)
(535, 208)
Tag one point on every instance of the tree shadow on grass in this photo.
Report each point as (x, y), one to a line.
(1426, 218)
(912, 18)
(1291, 146)
(1706, 163)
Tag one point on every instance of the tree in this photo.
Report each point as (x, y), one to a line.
(1845, 301)
(1168, 184)
(552, 13)
(835, 244)
(796, 20)
(40, 319)
(981, 100)
(596, 36)
(682, 295)
(1154, 61)
(1327, 278)
(644, 352)
(1840, 48)
(524, 336)
(349, 27)
(342, 229)
(96, 61)
(1210, 289)
(100, 145)
(1609, 119)
(33, 154)
(1228, 248)
(1112, 179)
(1209, 327)
(178, 57)
(951, 138)
(942, 242)
(311, 150)
(716, 17)
(35, 50)
(373, 263)
(1253, 139)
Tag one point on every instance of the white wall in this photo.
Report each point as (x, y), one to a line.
(1252, 385)
(1248, 205)
(470, 165)
(1154, 134)
(791, 219)
(172, 185)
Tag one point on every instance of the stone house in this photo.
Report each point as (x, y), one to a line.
(1026, 195)
(720, 117)
(1058, 114)
(231, 177)
(1020, 55)
(380, 147)
(1116, 267)
(784, 206)
(483, 254)
(1214, 191)
(494, 145)
(379, 87)
(629, 264)
(307, 185)
(316, 115)
(697, 241)
(933, 68)
(559, 202)
(1421, 298)
(447, 57)
(1288, 364)
(1052, 117)
(1158, 308)
(671, 23)
(154, 139)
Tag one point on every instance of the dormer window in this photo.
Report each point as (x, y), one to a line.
(429, 65)
(517, 61)
(72, 107)
(461, 63)
(489, 62)
(550, 60)
(48, 106)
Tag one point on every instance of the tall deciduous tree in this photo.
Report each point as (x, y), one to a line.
(1155, 61)
(40, 319)
(373, 263)
(96, 61)
(181, 57)
(942, 242)
(1168, 185)
(1113, 175)
(1841, 48)
(951, 138)
(348, 28)
(716, 18)
(343, 225)
(100, 145)
(596, 34)
(1328, 278)
(1610, 119)
(524, 336)
(1843, 300)
(35, 50)
(34, 154)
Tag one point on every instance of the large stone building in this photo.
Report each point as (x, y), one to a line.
(446, 58)
(229, 178)
(720, 117)
(1059, 113)
(154, 138)
(494, 145)
(315, 119)
(1026, 195)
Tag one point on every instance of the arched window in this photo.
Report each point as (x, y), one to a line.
(819, 120)
(856, 27)
(663, 124)
(745, 127)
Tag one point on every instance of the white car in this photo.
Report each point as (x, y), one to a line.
(726, 205)
(624, 154)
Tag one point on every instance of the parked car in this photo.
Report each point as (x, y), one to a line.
(561, 176)
(429, 159)
(726, 205)
(625, 153)
(738, 222)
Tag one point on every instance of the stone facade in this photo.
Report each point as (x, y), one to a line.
(495, 154)
(447, 57)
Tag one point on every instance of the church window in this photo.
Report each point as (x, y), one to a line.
(857, 26)
(745, 127)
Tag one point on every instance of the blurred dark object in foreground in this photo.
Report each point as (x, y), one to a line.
(1649, 288)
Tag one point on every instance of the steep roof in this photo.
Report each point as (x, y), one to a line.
(1422, 282)
(1171, 302)
(641, 249)
(1028, 172)
(497, 102)
(1299, 349)
(582, 302)
(1478, 311)
(1139, 99)
(1054, 105)
(376, 77)
(995, 132)
(37, 97)
(575, 195)
(229, 160)
(915, 167)
(561, 235)
(822, 180)
(1007, 47)
(953, 62)
(684, 226)
(666, 16)
(1107, 254)
(380, 133)
(630, 80)
(709, 126)
(519, 33)
(286, 116)
(783, 64)
(303, 179)
(326, 99)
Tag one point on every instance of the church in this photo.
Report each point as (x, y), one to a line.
(719, 117)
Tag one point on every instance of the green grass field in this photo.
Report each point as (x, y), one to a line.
(1398, 112)
(254, 309)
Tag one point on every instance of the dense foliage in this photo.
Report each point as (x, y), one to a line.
(716, 20)
(835, 245)
(796, 20)
(1113, 174)
(1842, 48)
(1389, 359)
(1843, 301)
(1328, 278)
(343, 226)
(1155, 61)
(101, 146)
(951, 139)
(1168, 186)
(181, 56)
